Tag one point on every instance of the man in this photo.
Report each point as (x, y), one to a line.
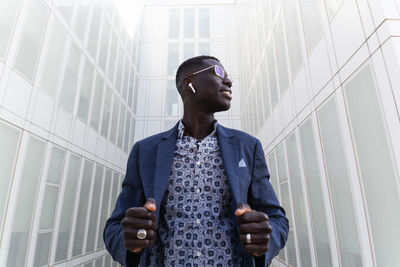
(198, 194)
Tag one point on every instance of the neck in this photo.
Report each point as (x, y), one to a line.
(198, 124)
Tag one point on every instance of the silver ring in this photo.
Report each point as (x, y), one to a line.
(141, 234)
(248, 238)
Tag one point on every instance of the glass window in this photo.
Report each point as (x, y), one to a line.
(81, 20)
(8, 16)
(106, 113)
(115, 191)
(299, 200)
(42, 249)
(173, 57)
(53, 59)
(104, 208)
(130, 89)
(94, 210)
(67, 209)
(379, 173)
(174, 23)
(97, 99)
(120, 68)
(113, 59)
(48, 207)
(82, 209)
(204, 23)
(281, 57)
(127, 129)
(56, 164)
(105, 40)
(9, 142)
(273, 84)
(204, 48)
(25, 205)
(272, 171)
(280, 157)
(121, 126)
(86, 91)
(132, 130)
(314, 186)
(114, 121)
(294, 35)
(339, 185)
(188, 50)
(312, 11)
(94, 32)
(65, 8)
(125, 86)
(70, 82)
(286, 204)
(31, 39)
(172, 99)
(188, 24)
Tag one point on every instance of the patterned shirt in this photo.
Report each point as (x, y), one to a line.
(195, 226)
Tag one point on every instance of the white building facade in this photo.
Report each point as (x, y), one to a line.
(316, 81)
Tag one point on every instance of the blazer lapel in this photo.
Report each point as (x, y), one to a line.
(164, 160)
(230, 155)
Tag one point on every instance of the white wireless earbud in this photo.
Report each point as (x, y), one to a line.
(191, 86)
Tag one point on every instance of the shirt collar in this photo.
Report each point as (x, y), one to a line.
(181, 129)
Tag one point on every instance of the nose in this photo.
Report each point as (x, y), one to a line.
(226, 81)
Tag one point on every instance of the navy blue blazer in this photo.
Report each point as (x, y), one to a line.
(147, 175)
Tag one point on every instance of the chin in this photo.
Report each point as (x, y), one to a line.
(224, 107)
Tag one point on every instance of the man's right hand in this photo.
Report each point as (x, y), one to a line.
(139, 218)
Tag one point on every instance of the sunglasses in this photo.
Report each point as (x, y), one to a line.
(219, 71)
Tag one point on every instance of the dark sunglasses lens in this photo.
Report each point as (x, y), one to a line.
(219, 71)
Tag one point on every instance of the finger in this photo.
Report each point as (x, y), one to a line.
(137, 251)
(137, 223)
(132, 234)
(135, 244)
(260, 238)
(256, 249)
(139, 212)
(242, 208)
(261, 227)
(150, 205)
(252, 217)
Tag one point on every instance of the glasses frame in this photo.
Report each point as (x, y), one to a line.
(209, 67)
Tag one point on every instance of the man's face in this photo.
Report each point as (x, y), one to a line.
(212, 92)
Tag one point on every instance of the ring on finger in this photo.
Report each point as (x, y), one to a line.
(248, 238)
(141, 234)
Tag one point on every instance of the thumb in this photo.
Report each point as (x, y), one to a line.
(242, 208)
(150, 205)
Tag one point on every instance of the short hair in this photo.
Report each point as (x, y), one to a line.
(190, 62)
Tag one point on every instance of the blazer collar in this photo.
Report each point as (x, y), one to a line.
(165, 158)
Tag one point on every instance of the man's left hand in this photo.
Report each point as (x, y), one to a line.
(255, 223)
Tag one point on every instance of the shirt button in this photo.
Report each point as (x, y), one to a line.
(198, 254)
(198, 190)
(198, 163)
(198, 221)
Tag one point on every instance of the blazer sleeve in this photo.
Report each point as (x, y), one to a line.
(263, 198)
(132, 195)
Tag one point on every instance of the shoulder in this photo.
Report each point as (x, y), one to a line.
(240, 135)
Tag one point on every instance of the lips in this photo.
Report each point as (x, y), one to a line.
(227, 93)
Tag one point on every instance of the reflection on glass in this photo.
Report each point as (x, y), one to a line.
(312, 11)
(174, 23)
(31, 39)
(94, 210)
(281, 57)
(42, 249)
(188, 24)
(82, 209)
(52, 66)
(94, 31)
(68, 204)
(188, 50)
(26, 197)
(48, 207)
(106, 113)
(204, 23)
(70, 82)
(8, 146)
(171, 99)
(313, 180)
(114, 122)
(81, 19)
(97, 99)
(299, 199)
(378, 171)
(173, 56)
(8, 15)
(86, 91)
(204, 48)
